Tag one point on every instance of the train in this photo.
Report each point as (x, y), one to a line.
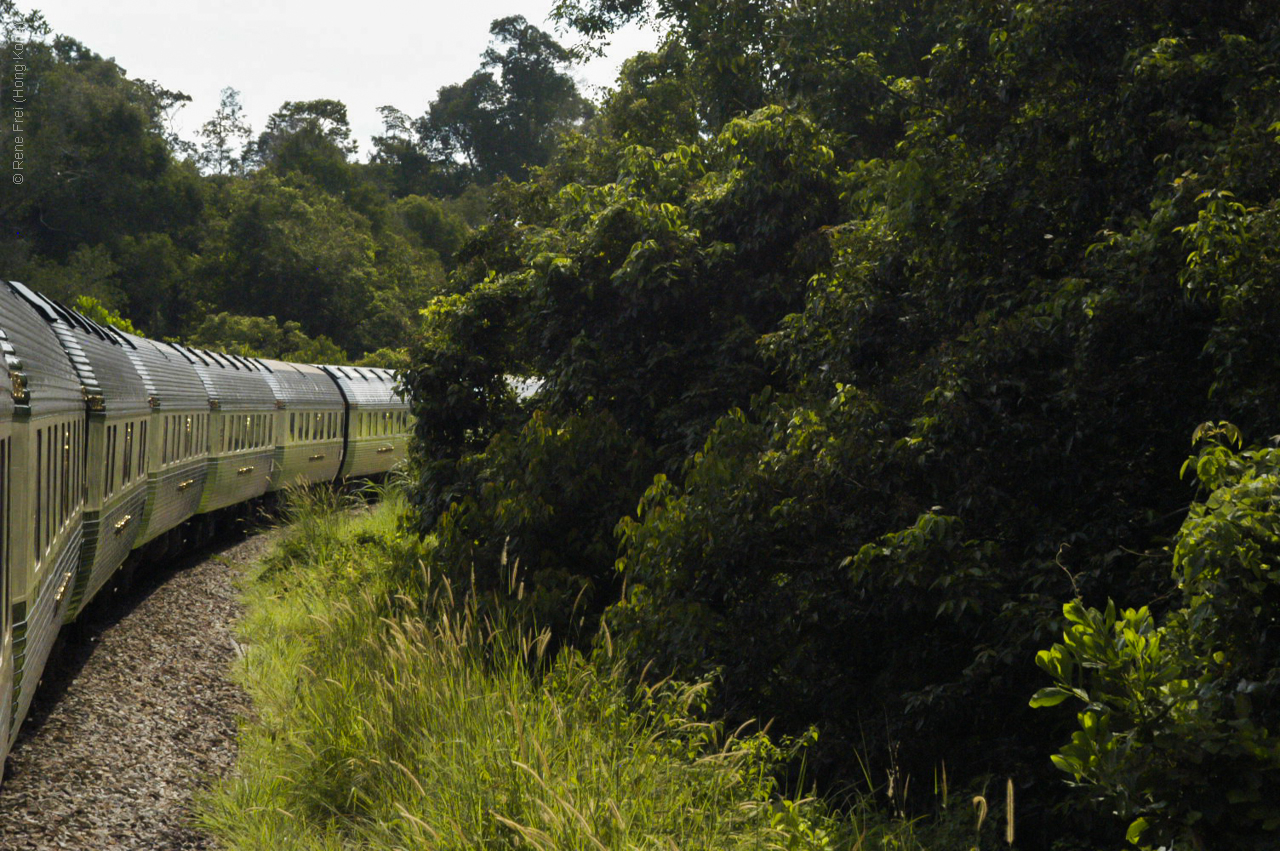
(114, 447)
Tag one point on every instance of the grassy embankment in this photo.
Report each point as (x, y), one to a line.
(391, 716)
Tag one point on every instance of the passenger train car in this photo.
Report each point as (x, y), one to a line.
(110, 443)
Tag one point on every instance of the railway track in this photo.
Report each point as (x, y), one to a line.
(135, 717)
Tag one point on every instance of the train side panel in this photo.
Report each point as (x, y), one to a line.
(378, 421)
(118, 419)
(45, 495)
(308, 439)
(178, 445)
(6, 619)
(241, 429)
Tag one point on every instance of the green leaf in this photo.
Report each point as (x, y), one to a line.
(1050, 696)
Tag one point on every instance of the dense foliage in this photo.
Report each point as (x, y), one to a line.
(829, 357)
(856, 338)
(281, 224)
(1181, 730)
(391, 715)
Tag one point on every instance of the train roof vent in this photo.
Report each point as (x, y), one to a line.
(39, 302)
(193, 356)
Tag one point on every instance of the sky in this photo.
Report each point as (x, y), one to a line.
(365, 53)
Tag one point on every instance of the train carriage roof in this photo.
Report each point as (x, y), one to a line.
(170, 379)
(233, 384)
(365, 387)
(47, 347)
(300, 385)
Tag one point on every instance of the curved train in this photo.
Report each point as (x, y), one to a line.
(111, 443)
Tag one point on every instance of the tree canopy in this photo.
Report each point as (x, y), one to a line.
(864, 337)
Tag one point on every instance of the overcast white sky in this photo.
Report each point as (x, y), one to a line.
(365, 53)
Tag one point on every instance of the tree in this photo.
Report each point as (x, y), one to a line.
(21, 27)
(104, 167)
(506, 117)
(264, 337)
(1178, 730)
(310, 137)
(405, 166)
(898, 347)
(223, 133)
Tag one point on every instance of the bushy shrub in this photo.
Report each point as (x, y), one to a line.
(1180, 732)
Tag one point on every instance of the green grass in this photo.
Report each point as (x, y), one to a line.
(391, 715)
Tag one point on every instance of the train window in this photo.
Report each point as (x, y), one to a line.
(109, 462)
(75, 466)
(142, 447)
(66, 470)
(126, 461)
(39, 536)
(50, 483)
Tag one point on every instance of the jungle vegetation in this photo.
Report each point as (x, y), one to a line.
(208, 239)
(869, 342)
(904, 369)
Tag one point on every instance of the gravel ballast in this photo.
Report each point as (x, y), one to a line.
(136, 715)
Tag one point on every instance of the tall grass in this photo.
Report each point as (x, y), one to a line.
(391, 715)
